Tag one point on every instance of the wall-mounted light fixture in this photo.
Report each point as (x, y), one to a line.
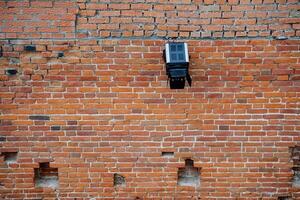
(177, 64)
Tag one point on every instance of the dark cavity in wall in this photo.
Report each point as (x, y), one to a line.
(167, 154)
(11, 72)
(60, 54)
(284, 198)
(46, 176)
(119, 180)
(189, 175)
(296, 177)
(30, 48)
(10, 157)
(295, 154)
(55, 128)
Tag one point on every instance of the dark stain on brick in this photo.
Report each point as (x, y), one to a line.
(242, 100)
(118, 117)
(30, 48)
(75, 155)
(6, 122)
(136, 110)
(266, 72)
(295, 78)
(273, 116)
(2, 139)
(224, 127)
(39, 117)
(154, 101)
(240, 123)
(55, 128)
(259, 94)
(72, 123)
(70, 128)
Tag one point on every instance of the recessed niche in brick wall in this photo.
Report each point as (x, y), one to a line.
(46, 176)
(189, 175)
(167, 154)
(285, 198)
(119, 180)
(296, 167)
(10, 157)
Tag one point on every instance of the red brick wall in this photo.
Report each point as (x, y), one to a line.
(188, 18)
(148, 18)
(105, 108)
(37, 19)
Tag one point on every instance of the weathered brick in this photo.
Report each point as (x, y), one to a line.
(259, 20)
(39, 117)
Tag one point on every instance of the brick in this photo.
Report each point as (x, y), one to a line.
(40, 4)
(39, 117)
(164, 7)
(222, 21)
(140, 6)
(119, 6)
(96, 6)
(251, 61)
(235, 14)
(109, 13)
(209, 8)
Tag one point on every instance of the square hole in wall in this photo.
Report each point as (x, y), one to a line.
(46, 176)
(285, 198)
(10, 157)
(189, 175)
(119, 180)
(296, 177)
(295, 155)
(167, 154)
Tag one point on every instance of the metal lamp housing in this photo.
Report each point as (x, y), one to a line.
(177, 64)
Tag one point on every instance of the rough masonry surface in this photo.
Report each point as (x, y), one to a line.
(90, 97)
